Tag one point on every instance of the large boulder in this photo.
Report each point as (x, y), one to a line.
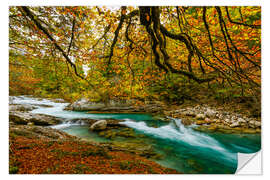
(84, 105)
(21, 107)
(116, 106)
(112, 106)
(99, 125)
(24, 118)
(39, 132)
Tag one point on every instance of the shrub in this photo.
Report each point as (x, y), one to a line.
(13, 169)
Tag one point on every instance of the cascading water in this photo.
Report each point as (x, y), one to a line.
(183, 148)
(184, 136)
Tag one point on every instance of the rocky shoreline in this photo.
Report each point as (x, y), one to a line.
(216, 119)
(37, 126)
(23, 123)
(206, 118)
(116, 106)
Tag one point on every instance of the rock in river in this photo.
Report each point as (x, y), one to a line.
(99, 125)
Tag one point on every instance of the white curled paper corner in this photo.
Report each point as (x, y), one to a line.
(249, 163)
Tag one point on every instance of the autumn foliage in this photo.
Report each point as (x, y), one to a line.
(128, 52)
(36, 156)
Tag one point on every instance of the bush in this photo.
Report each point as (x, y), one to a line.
(13, 169)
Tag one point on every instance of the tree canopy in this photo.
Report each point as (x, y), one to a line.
(135, 52)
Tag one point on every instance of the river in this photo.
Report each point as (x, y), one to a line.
(182, 148)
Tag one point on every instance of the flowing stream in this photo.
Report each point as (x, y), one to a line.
(182, 148)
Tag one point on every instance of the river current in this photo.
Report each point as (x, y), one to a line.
(182, 148)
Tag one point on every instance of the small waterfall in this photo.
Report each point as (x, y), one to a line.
(69, 123)
(179, 125)
(183, 141)
(178, 133)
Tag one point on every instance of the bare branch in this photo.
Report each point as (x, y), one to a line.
(35, 20)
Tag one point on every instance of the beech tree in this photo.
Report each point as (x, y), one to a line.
(128, 49)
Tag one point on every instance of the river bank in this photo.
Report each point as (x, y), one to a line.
(221, 118)
(69, 155)
(164, 140)
(37, 148)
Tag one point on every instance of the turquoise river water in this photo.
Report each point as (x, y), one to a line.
(182, 148)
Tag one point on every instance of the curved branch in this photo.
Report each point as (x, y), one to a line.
(157, 39)
(35, 20)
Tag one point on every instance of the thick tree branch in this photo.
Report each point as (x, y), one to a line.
(116, 33)
(157, 39)
(35, 20)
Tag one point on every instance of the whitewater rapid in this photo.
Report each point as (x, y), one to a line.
(186, 141)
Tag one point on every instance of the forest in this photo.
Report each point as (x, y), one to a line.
(174, 57)
(147, 52)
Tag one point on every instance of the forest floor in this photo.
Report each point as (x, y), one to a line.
(38, 156)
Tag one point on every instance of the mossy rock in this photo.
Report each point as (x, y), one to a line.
(127, 134)
(17, 120)
(249, 131)
(102, 133)
(212, 128)
(200, 122)
(157, 156)
(161, 118)
(258, 130)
